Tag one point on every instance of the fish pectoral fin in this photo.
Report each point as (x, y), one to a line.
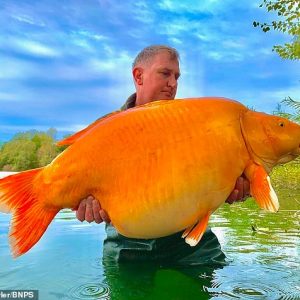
(261, 188)
(195, 235)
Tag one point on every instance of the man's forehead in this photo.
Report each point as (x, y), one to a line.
(164, 54)
(164, 59)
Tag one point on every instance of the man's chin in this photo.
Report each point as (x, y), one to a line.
(166, 96)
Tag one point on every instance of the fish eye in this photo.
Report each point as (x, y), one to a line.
(281, 124)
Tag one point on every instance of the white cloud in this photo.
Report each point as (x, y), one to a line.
(237, 44)
(279, 94)
(113, 63)
(264, 100)
(224, 55)
(205, 37)
(192, 6)
(117, 66)
(174, 40)
(71, 127)
(96, 41)
(179, 26)
(91, 35)
(12, 68)
(8, 96)
(142, 13)
(28, 19)
(83, 43)
(85, 39)
(34, 47)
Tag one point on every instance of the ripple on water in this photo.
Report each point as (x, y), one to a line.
(256, 291)
(257, 283)
(90, 291)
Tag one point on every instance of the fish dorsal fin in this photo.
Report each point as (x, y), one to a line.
(74, 137)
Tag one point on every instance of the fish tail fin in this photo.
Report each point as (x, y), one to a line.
(30, 216)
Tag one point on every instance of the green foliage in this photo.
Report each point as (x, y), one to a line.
(289, 102)
(287, 176)
(288, 22)
(29, 150)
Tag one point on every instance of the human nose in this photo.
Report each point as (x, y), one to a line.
(172, 82)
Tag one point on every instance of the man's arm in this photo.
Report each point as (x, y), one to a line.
(90, 210)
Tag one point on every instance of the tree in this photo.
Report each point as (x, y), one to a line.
(288, 22)
(295, 105)
(18, 155)
(29, 150)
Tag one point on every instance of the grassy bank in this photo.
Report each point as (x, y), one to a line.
(287, 176)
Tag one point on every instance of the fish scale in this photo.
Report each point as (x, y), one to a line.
(156, 169)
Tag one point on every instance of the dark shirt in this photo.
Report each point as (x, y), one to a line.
(165, 250)
(130, 102)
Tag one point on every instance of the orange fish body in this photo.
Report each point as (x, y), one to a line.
(156, 169)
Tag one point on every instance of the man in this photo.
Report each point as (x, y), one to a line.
(156, 73)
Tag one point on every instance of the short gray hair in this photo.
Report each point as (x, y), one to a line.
(149, 52)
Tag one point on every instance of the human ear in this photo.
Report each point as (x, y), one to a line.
(138, 75)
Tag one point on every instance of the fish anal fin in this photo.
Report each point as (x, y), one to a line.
(261, 188)
(187, 231)
(197, 232)
(73, 138)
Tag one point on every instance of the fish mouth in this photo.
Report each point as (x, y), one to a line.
(297, 151)
(289, 157)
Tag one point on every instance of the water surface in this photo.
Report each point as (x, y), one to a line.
(262, 249)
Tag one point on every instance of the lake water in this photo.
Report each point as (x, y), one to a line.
(262, 250)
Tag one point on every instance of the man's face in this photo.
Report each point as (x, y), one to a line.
(159, 78)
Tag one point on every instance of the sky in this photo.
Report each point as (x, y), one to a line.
(63, 64)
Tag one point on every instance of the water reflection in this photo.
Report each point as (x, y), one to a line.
(262, 249)
(152, 281)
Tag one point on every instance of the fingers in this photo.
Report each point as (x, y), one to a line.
(96, 211)
(232, 197)
(104, 216)
(80, 213)
(85, 210)
(89, 214)
(246, 188)
(240, 187)
(89, 210)
(241, 191)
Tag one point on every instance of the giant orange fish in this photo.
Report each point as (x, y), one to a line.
(156, 169)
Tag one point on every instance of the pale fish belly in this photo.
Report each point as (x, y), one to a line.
(172, 215)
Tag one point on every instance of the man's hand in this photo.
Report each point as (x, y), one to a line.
(90, 210)
(241, 191)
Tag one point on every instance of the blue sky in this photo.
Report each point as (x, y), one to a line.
(65, 63)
